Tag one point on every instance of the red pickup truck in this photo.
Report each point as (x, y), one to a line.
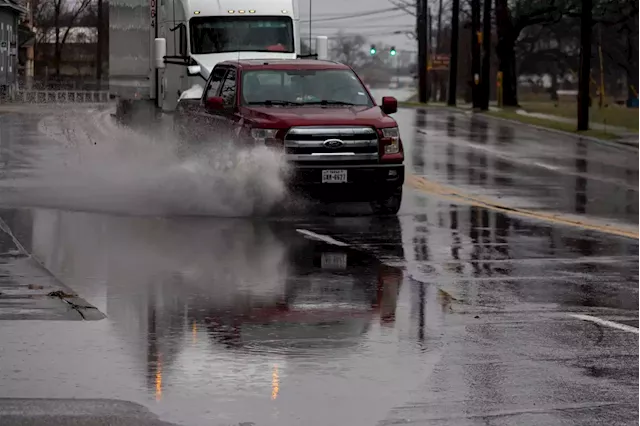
(340, 144)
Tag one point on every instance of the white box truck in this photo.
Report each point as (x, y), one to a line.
(163, 50)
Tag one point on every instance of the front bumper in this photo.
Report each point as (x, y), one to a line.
(364, 182)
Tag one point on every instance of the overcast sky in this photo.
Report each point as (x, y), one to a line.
(377, 27)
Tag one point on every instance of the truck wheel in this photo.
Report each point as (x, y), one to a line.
(389, 205)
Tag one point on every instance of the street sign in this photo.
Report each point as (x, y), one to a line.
(438, 62)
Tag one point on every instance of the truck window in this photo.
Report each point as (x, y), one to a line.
(228, 91)
(215, 34)
(214, 82)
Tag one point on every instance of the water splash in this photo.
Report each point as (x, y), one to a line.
(88, 162)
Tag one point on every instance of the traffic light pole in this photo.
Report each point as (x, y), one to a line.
(422, 50)
(453, 60)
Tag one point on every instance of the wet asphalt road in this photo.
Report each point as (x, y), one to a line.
(450, 314)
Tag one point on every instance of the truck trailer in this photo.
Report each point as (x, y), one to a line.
(163, 50)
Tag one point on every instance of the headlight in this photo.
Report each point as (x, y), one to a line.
(263, 135)
(391, 139)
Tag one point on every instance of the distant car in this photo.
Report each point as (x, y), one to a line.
(341, 145)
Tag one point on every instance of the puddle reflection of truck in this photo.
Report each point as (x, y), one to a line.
(331, 296)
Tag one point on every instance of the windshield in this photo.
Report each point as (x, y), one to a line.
(241, 34)
(304, 87)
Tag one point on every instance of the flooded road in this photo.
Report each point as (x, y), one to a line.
(449, 314)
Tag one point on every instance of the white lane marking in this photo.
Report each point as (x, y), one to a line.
(547, 166)
(607, 323)
(5, 228)
(496, 153)
(319, 237)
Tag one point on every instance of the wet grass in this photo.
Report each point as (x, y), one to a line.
(612, 115)
(552, 124)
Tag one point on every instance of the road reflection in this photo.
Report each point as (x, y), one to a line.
(251, 289)
(490, 259)
(420, 140)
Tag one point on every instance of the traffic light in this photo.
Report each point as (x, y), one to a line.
(393, 52)
(372, 50)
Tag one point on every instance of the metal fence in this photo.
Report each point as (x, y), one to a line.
(60, 96)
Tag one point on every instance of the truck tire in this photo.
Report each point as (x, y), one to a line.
(389, 205)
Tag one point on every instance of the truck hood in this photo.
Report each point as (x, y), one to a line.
(286, 117)
(210, 60)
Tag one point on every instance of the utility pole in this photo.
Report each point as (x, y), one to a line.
(429, 53)
(310, 18)
(422, 49)
(485, 79)
(30, 56)
(585, 65)
(438, 50)
(475, 52)
(453, 59)
(99, 43)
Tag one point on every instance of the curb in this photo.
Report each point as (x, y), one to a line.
(66, 296)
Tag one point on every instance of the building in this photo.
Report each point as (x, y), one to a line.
(10, 11)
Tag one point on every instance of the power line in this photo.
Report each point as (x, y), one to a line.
(356, 15)
(368, 21)
(388, 26)
(351, 34)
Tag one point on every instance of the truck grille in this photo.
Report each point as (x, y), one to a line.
(334, 144)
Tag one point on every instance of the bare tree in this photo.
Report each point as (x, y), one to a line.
(59, 17)
(349, 49)
(408, 6)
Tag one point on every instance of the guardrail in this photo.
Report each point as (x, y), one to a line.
(61, 96)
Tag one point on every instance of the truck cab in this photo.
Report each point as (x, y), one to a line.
(194, 35)
(338, 142)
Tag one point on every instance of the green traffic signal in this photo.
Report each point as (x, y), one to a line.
(372, 50)
(393, 51)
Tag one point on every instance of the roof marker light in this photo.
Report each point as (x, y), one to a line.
(230, 11)
(241, 11)
(284, 11)
(252, 11)
(197, 12)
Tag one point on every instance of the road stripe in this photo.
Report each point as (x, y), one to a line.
(5, 228)
(606, 323)
(422, 184)
(320, 237)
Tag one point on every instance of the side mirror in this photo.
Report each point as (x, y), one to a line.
(159, 52)
(193, 70)
(389, 105)
(215, 103)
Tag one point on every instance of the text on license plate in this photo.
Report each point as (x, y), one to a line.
(334, 176)
(333, 261)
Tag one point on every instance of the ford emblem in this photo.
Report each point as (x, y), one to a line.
(333, 143)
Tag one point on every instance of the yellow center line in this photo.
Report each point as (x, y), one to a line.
(446, 192)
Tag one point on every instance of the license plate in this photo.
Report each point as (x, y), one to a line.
(334, 176)
(334, 261)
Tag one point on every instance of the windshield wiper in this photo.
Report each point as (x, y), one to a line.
(273, 102)
(326, 102)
